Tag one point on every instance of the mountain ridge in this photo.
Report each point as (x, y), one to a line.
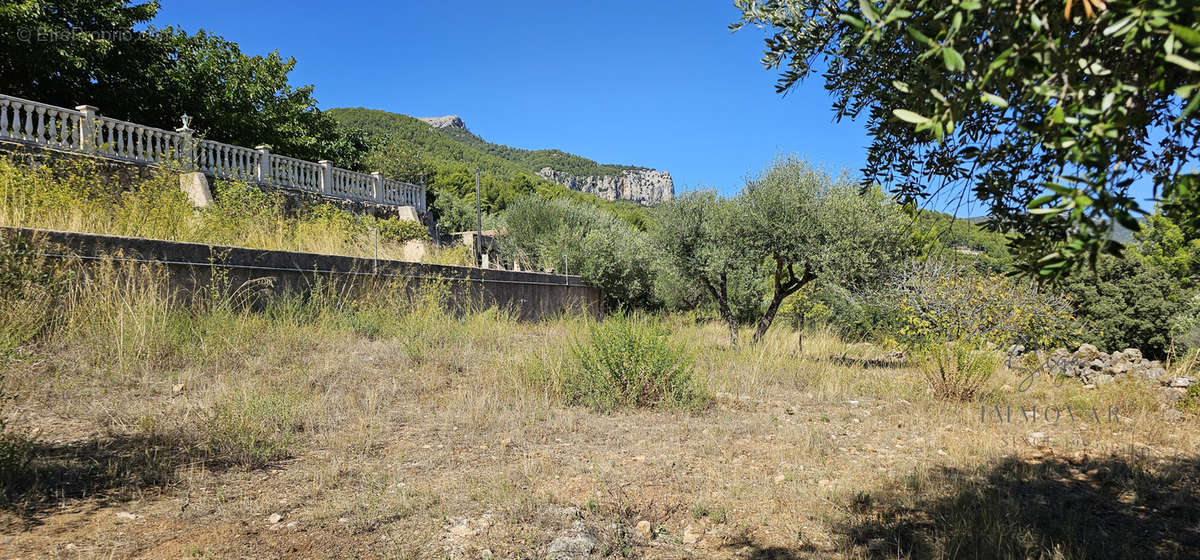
(447, 139)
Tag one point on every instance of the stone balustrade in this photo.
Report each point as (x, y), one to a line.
(83, 130)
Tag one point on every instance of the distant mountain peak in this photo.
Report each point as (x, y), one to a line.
(448, 121)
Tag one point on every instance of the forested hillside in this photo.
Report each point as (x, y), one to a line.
(457, 145)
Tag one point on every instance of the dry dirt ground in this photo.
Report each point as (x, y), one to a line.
(449, 450)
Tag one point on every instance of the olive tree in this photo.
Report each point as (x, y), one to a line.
(700, 236)
(792, 224)
(581, 239)
(1045, 111)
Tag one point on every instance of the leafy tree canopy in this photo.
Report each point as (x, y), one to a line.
(792, 224)
(1045, 111)
(75, 52)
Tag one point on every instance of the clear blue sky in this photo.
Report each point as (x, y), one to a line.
(658, 84)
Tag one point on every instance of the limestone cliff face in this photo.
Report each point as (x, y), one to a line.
(448, 121)
(644, 186)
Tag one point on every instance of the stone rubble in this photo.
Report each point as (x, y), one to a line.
(1096, 369)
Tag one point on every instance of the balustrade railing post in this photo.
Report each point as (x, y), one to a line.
(263, 173)
(87, 128)
(378, 186)
(326, 176)
(187, 149)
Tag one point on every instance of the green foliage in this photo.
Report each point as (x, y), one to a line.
(1185, 326)
(809, 225)
(1027, 106)
(406, 135)
(580, 239)
(446, 159)
(792, 224)
(853, 316)
(699, 235)
(631, 362)
(98, 58)
(945, 237)
(1169, 247)
(449, 145)
(942, 303)
(153, 76)
(1126, 303)
(1191, 400)
(254, 428)
(957, 370)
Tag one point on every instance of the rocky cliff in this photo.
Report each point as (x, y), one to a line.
(448, 121)
(644, 186)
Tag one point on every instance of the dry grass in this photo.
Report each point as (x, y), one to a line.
(80, 195)
(388, 428)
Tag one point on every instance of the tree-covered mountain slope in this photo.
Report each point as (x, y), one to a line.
(447, 141)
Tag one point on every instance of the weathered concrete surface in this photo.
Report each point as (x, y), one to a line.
(195, 186)
(192, 266)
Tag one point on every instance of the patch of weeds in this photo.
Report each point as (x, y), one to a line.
(956, 370)
(372, 324)
(717, 514)
(632, 362)
(1191, 401)
(29, 289)
(254, 428)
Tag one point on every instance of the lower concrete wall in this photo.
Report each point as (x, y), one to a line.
(193, 266)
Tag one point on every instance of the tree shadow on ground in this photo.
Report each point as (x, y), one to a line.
(103, 470)
(746, 548)
(1043, 506)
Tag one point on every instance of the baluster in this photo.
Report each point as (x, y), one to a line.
(28, 121)
(39, 131)
(4, 105)
(52, 127)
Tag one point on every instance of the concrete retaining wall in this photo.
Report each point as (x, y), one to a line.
(192, 267)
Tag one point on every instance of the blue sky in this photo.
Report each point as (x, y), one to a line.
(659, 84)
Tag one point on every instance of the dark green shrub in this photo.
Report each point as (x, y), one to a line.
(1127, 303)
(631, 362)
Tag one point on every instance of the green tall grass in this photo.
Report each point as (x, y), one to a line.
(630, 361)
